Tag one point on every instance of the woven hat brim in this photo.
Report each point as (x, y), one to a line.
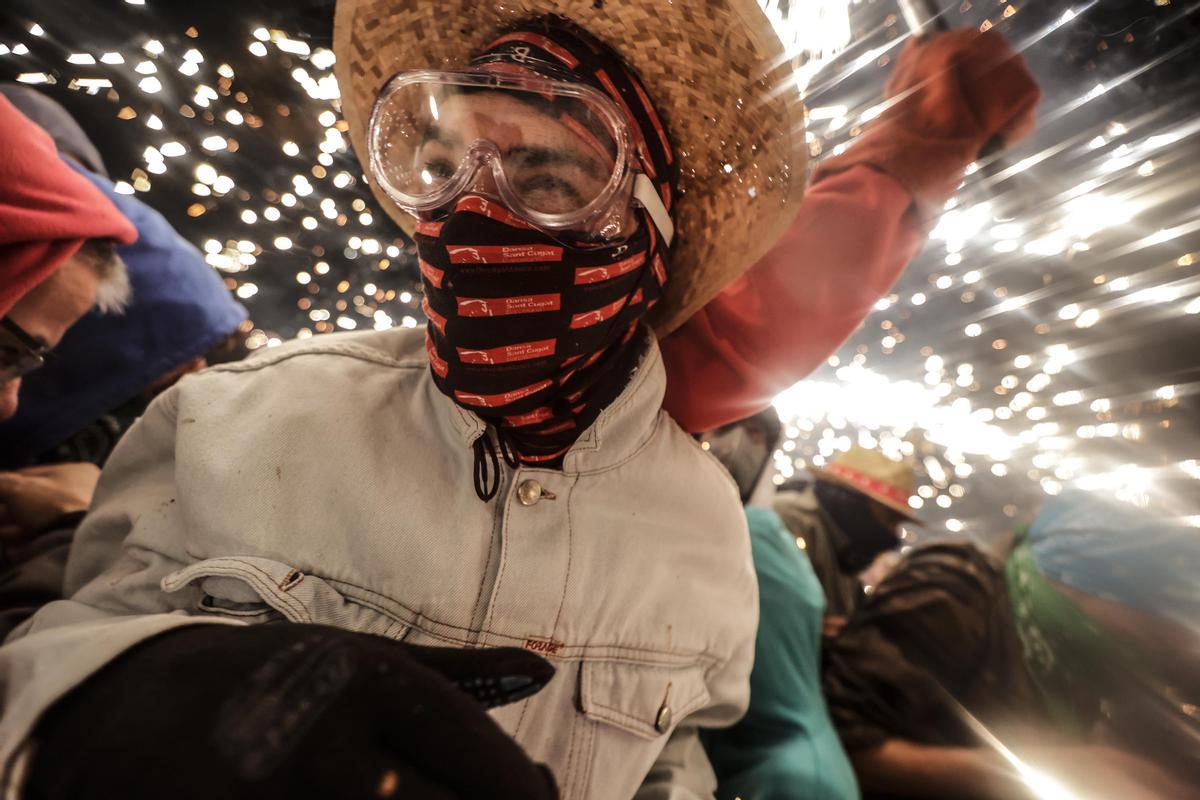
(900, 508)
(716, 71)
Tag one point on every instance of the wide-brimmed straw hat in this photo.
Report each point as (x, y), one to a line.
(872, 473)
(716, 71)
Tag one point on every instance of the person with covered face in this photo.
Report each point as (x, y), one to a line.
(852, 513)
(502, 483)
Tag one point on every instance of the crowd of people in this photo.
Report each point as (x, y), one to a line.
(581, 579)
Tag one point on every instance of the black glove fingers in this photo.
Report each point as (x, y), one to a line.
(492, 671)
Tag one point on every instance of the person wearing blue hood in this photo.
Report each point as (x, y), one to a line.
(105, 371)
(180, 311)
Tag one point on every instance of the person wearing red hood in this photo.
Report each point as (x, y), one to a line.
(58, 235)
(57, 257)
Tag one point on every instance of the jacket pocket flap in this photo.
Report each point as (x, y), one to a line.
(646, 700)
(234, 585)
(248, 586)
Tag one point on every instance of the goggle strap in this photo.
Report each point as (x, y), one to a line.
(645, 193)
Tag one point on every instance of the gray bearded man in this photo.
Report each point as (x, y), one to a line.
(309, 573)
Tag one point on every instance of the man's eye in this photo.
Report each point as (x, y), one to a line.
(439, 168)
(549, 187)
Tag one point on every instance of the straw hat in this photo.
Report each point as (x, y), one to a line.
(716, 71)
(875, 475)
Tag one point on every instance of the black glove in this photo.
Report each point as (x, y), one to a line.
(290, 711)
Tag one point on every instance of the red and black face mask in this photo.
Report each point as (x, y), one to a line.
(538, 334)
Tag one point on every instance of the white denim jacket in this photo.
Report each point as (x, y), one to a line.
(330, 481)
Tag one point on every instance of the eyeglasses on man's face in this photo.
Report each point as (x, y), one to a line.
(20, 352)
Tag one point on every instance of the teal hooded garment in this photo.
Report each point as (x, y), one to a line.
(786, 745)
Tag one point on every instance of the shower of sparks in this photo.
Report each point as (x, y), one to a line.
(812, 32)
(932, 376)
(198, 138)
(978, 367)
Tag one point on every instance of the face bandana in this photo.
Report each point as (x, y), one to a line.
(865, 536)
(535, 334)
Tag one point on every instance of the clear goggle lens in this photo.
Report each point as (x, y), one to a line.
(554, 152)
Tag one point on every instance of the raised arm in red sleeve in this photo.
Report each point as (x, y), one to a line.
(852, 237)
(863, 219)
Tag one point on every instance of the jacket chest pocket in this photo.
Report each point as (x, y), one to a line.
(262, 590)
(627, 713)
(642, 699)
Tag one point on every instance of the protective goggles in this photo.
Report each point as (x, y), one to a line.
(554, 152)
(20, 353)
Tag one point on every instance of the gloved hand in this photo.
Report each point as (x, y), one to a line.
(954, 92)
(284, 710)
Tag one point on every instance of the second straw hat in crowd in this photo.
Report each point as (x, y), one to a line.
(875, 475)
(716, 71)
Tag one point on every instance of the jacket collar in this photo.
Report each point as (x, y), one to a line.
(618, 431)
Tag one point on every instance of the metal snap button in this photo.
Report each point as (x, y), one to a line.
(529, 492)
(663, 721)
